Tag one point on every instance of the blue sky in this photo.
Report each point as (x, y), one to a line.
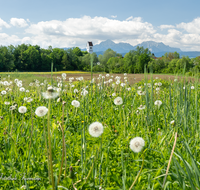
(64, 23)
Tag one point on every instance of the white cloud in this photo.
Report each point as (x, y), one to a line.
(18, 22)
(113, 16)
(191, 27)
(87, 28)
(3, 24)
(166, 26)
(77, 31)
(6, 39)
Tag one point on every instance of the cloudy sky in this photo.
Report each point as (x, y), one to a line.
(64, 23)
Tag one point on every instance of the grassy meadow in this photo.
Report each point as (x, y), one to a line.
(50, 141)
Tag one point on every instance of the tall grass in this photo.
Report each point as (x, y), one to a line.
(85, 162)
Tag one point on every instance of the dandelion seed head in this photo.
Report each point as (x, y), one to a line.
(118, 101)
(22, 109)
(137, 144)
(41, 111)
(76, 103)
(96, 129)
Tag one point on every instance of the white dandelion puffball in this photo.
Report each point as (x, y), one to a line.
(192, 87)
(75, 90)
(137, 144)
(50, 93)
(3, 92)
(114, 94)
(22, 109)
(172, 122)
(158, 103)
(76, 103)
(64, 75)
(141, 107)
(7, 103)
(96, 129)
(118, 101)
(41, 111)
(22, 89)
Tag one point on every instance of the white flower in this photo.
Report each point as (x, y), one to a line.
(128, 89)
(159, 84)
(76, 103)
(156, 77)
(184, 87)
(22, 89)
(118, 101)
(29, 99)
(6, 83)
(75, 90)
(123, 84)
(118, 81)
(64, 75)
(140, 92)
(137, 144)
(84, 92)
(157, 89)
(158, 103)
(16, 80)
(96, 129)
(12, 107)
(98, 63)
(49, 94)
(41, 111)
(192, 87)
(175, 80)
(141, 107)
(27, 90)
(113, 94)
(3, 92)
(125, 74)
(22, 109)
(107, 75)
(113, 85)
(139, 87)
(19, 84)
(156, 84)
(172, 122)
(7, 103)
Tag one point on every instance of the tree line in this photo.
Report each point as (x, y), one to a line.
(26, 57)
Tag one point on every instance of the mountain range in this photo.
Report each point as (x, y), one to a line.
(158, 48)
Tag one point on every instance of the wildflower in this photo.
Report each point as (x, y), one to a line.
(5, 83)
(113, 85)
(98, 63)
(75, 90)
(118, 101)
(113, 94)
(27, 91)
(19, 84)
(96, 129)
(192, 87)
(64, 75)
(22, 89)
(123, 84)
(41, 111)
(140, 92)
(157, 89)
(156, 77)
(184, 87)
(175, 80)
(107, 75)
(84, 92)
(137, 144)
(118, 81)
(29, 99)
(141, 107)
(6, 103)
(128, 89)
(59, 100)
(125, 74)
(172, 122)
(139, 87)
(156, 84)
(49, 94)
(158, 103)
(12, 108)
(159, 84)
(22, 109)
(3, 92)
(76, 103)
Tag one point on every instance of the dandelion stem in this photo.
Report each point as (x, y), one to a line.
(170, 159)
(138, 173)
(49, 141)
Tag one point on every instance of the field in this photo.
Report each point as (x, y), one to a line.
(68, 132)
